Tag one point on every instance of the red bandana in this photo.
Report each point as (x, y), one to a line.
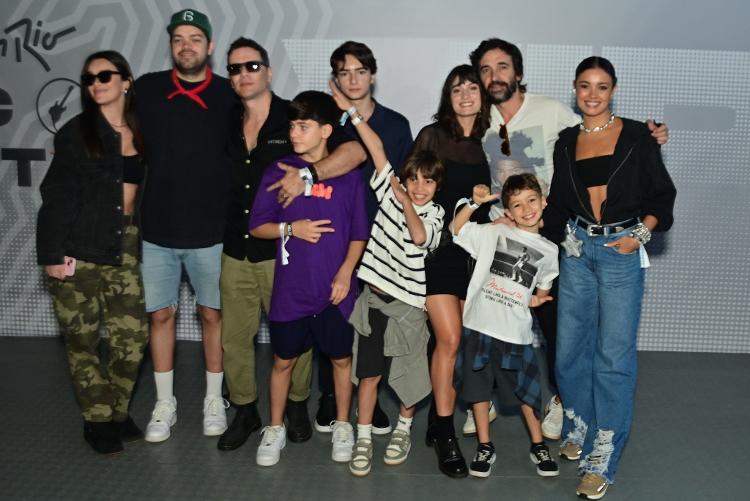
(193, 93)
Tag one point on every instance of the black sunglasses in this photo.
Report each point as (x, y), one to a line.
(103, 76)
(250, 67)
(505, 146)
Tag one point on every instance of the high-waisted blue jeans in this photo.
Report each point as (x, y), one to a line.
(598, 312)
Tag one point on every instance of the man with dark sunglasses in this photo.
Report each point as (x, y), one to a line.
(183, 112)
(258, 136)
(521, 138)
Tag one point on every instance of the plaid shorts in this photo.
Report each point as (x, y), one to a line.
(485, 362)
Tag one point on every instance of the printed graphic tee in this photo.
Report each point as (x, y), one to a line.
(511, 263)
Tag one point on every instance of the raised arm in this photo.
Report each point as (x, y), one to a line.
(480, 195)
(372, 141)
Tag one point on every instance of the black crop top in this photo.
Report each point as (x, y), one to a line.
(133, 170)
(595, 171)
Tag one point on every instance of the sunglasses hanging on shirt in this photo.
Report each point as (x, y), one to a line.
(505, 146)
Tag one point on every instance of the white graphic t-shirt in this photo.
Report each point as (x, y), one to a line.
(532, 132)
(511, 263)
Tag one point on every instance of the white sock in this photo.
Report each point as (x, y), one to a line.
(164, 385)
(364, 432)
(213, 383)
(404, 423)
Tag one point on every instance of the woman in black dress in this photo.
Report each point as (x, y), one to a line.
(456, 138)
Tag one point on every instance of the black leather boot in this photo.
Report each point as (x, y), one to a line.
(298, 421)
(129, 431)
(450, 460)
(246, 420)
(104, 437)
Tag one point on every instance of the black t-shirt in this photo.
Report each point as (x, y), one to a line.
(247, 168)
(184, 199)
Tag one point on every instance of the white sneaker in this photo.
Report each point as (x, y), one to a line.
(272, 440)
(470, 427)
(163, 417)
(214, 415)
(553, 419)
(343, 442)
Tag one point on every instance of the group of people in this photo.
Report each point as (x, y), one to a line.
(414, 262)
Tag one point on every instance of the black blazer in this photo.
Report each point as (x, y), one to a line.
(639, 185)
(81, 214)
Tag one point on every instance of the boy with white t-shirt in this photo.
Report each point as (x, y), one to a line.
(510, 263)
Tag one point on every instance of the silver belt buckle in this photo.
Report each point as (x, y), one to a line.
(590, 230)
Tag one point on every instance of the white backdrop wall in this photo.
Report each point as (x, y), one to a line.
(686, 63)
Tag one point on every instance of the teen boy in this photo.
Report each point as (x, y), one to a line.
(321, 240)
(389, 315)
(511, 263)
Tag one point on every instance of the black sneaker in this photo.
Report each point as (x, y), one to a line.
(485, 457)
(129, 431)
(380, 423)
(104, 437)
(298, 422)
(246, 420)
(545, 465)
(326, 413)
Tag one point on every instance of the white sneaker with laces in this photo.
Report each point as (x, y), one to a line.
(272, 440)
(214, 415)
(343, 441)
(553, 419)
(470, 427)
(163, 417)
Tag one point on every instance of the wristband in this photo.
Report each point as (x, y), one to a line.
(356, 120)
(307, 177)
(314, 173)
(351, 111)
(284, 239)
(289, 232)
(470, 202)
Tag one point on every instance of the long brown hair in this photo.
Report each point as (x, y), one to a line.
(92, 141)
(445, 115)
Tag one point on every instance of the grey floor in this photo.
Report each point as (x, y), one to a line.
(688, 442)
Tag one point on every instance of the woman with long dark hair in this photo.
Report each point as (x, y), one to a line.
(609, 191)
(88, 242)
(456, 138)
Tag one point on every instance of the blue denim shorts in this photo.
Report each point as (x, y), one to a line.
(162, 273)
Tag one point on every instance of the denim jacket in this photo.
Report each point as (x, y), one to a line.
(82, 204)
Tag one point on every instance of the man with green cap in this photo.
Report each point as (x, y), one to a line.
(184, 115)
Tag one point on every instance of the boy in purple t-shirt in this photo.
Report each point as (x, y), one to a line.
(322, 237)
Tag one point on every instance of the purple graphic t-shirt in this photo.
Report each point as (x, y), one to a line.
(303, 287)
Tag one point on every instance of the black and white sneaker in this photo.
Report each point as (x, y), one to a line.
(381, 425)
(545, 465)
(485, 457)
(326, 414)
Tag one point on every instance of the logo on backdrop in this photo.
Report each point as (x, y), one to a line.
(57, 102)
(27, 37)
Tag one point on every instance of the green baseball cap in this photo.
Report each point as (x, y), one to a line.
(191, 17)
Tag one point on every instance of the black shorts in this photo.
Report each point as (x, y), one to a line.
(371, 361)
(448, 271)
(478, 385)
(329, 331)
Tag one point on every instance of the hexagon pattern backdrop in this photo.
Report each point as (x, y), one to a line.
(679, 62)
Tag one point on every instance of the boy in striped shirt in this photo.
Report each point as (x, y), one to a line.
(388, 317)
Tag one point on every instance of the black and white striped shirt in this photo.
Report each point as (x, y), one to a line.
(392, 262)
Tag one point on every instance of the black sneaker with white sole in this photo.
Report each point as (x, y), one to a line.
(545, 465)
(326, 414)
(381, 425)
(485, 457)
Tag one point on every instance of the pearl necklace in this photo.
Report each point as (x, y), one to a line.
(598, 128)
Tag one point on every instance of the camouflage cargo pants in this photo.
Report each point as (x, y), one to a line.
(114, 295)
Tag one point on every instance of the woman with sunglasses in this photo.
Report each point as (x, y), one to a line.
(88, 242)
(609, 191)
(455, 136)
